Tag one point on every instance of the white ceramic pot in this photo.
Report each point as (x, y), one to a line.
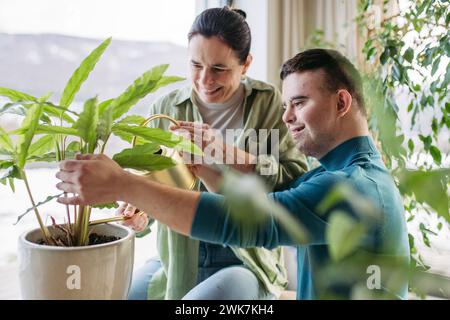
(100, 271)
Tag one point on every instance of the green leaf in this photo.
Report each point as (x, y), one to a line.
(74, 146)
(51, 157)
(148, 82)
(410, 106)
(429, 187)
(145, 149)
(384, 56)
(125, 136)
(106, 206)
(409, 55)
(57, 130)
(105, 123)
(15, 95)
(410, 145)
(87, 123)
(155, 135)
(4, 152)
(50, 110)
(5, 141)
(11, 184)
(48, 199)
(247, 201)
(5, 164)
(344, 192)
(435, 66)
(44, 129)
(434, 126)
(12, 172)
(143, 157)
(57, 112)
(103, 106)
(166, 80)
(31, 123)
(159, 136)
(145, 163)
(397, 72)
(13, 108)
(132, 119)
(44, 145)
(189, 147)
(426, 140)
(81, 74)
(370, 53)
(344, 235)
(436, 154)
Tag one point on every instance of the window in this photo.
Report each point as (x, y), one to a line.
(41, 44)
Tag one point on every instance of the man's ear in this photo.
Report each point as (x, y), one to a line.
(247, 63)
(344, 102)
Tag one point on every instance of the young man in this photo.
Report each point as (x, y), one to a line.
(325, 114)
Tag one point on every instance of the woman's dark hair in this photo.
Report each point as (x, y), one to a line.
(339, 71)
(228, 25)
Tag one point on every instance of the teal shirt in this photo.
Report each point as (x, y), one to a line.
(355, 161)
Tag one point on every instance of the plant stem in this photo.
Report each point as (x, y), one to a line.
(104, 144)
(68, 215)
(82, 225)
(44, 229)
(74, 216)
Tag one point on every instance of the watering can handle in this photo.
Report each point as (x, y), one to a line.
(154, 117)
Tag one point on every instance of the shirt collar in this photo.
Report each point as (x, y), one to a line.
(348, 151)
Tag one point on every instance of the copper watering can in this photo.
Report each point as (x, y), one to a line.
(178, 176)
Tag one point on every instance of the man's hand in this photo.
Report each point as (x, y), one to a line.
(137, 221)
(94, 179)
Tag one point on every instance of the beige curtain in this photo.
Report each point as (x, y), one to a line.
(292, 22)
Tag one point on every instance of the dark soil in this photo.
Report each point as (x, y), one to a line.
(94, 238)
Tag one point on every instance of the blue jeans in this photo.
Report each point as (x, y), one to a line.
(221, 276)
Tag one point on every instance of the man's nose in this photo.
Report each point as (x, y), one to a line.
(288, 115)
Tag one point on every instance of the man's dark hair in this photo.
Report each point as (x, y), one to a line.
(339, 71)
(228, 25)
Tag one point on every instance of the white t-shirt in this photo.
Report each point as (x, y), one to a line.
(222, 116)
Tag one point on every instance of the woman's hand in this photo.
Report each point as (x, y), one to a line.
(211, 178)
(201, 134)
(137, 220)
(214, 148)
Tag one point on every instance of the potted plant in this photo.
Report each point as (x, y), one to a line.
(76, 260)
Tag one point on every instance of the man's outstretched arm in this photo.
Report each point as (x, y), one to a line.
(96, 179)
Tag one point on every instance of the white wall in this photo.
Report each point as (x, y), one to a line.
(257, 13)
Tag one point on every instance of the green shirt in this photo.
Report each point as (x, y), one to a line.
(179, 254)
